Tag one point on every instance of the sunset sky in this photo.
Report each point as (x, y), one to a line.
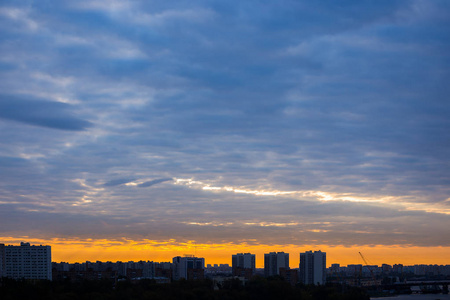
(137, 130)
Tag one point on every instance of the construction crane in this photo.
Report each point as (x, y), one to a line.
(370, 269)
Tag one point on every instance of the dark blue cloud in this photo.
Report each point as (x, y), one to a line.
(153, 182)
(39, 112)
(120, 181)
(11, 162)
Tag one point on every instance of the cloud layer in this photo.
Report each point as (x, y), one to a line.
(283, 123)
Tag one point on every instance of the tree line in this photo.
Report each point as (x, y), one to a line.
(257, 288)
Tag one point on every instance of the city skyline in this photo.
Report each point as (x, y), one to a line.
(294, 259)
(134, 129)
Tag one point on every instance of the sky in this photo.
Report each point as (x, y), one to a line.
(148, 129)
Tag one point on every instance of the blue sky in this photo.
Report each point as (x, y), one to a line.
(302, 122)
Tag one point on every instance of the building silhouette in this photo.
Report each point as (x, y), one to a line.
(313, 267)
(26, 261)
(243, 265)
(188, 267)
(274, 261)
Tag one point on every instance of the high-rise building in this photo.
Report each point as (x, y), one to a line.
(243, 264)
(273, 261)
(26, 261)
(188, 267)
(312, 267)
(2, 260)
(398, 268)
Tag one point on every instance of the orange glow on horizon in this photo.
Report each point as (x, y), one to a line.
(162, 251)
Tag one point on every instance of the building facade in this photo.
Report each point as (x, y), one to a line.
(188, 267)
(313, 267)
(26, 261)
(274, 261)
(2, 260)
(243, 264)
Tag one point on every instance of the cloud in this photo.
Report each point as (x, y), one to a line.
(12, 162)
(153, 182)
(37, 112)
(119, 181)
